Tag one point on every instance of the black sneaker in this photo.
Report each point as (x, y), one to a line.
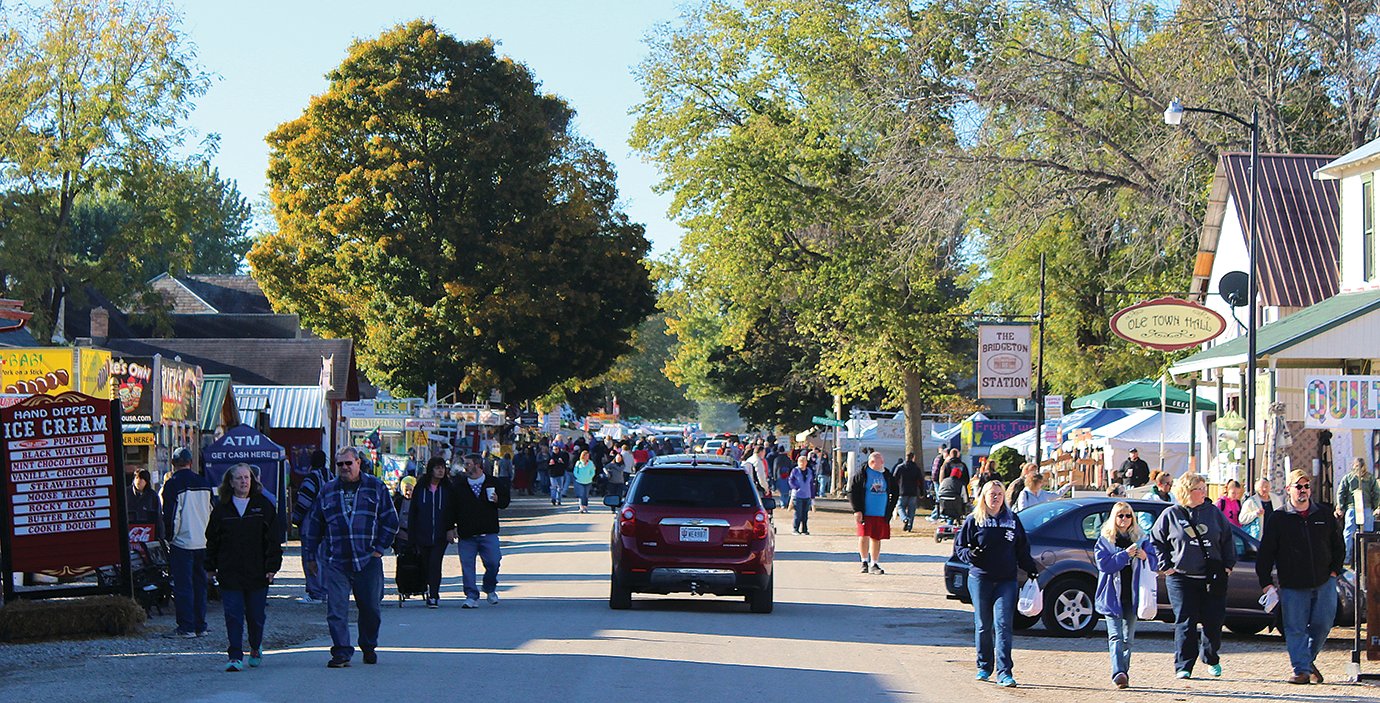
(371, 656)
(877, 569)
(864, 568)
(338, 663)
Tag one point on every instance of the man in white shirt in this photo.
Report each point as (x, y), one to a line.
(756, 467)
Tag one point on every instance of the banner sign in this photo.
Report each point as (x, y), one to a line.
(244, 444)
(64, 485)
(132, 378)
(1054, 407)
(179, 387)
(376, 408)
(985, 433)
(1003, 361)
(1167, 324)
(1342, 402)
(55, 370)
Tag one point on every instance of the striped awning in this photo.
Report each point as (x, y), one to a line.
(289, 407)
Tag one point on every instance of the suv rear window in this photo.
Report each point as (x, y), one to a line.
(694, 489)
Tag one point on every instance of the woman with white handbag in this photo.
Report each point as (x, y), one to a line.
(1126, 585)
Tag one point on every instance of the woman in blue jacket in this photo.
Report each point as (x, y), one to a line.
(431, 518)
(993, 543)
(1123, 553)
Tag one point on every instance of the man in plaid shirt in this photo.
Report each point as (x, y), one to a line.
(353, 521)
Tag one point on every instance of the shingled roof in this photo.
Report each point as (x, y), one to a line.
(260, 362)
(1297, 222)
(212, 293)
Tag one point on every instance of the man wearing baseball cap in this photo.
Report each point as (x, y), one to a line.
(187, 503)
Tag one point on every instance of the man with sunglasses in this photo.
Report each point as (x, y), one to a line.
(1303, 543)
(353, 522)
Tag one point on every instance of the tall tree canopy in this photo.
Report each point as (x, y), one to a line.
(752, 112)
(435, 206)
(93, 94)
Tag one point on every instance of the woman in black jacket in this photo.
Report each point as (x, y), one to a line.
(243, 553)
(142, 505)
(431, 518)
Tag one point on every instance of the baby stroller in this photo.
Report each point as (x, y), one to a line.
(952, 509)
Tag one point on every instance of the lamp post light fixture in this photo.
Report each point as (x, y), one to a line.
(1174, 115)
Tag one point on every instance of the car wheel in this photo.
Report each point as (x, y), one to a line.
(1068, 610)
(762, 600)
(1024, 622)
(1245, 628)
(619, 598)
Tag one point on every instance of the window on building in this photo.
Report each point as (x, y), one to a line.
(1368, 228)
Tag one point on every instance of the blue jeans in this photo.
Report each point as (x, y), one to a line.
(557, 487)
(486, 547)
(908, 504)
(367, 587)
(237, 605)
(316, 583)
(582, 492)
(994, 609)
(1121, 633)
(188, 570)
(1349, 530)
(1308, 615)
(801, 521)
(1193, 606)
(783, 489)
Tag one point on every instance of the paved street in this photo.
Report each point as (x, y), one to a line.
(836, 635)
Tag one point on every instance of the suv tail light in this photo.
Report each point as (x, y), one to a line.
(627, 521)
(760, 525)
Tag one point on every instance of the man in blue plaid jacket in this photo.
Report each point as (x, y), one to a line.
(353, 522)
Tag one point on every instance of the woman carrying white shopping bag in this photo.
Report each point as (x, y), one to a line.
(1126, 585)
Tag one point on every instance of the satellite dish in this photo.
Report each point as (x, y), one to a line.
(1233, 288)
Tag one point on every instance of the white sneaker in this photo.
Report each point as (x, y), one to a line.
(470, 603)
(308, 600)
(493, 598)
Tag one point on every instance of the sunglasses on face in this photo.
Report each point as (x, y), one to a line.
(1302, 487)
(344, 463)
(1124, 516)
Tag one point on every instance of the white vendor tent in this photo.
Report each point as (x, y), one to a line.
(889, 438)
(1141, 430)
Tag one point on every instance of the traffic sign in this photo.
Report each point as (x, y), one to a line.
(828, 421)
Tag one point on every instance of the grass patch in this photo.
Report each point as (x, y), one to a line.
(69, 618)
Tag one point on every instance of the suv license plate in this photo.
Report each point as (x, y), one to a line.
(694, 534)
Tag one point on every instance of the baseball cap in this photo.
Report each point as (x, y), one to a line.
(182, 456)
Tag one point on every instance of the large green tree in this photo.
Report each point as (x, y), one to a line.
(90, 92)
(434, 205)
(752, 114)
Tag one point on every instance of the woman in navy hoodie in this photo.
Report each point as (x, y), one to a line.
(993, 543)
(431, 516)
(1123, 552)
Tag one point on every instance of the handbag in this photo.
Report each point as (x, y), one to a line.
(1215, 575)
(1031, 601)
(1147, 593)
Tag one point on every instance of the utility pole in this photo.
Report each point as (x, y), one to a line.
(1039, 394)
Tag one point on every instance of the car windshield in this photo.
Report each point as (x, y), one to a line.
(1037, 515)
(694, 489)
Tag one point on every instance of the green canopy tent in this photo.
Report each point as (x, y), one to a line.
(1143, 393)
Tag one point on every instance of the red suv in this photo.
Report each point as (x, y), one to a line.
(688, 528)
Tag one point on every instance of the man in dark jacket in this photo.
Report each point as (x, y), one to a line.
(1134, 472)
(909, 479)
(305, 496)
(478, 498)
(186, 511)
(872, 492)
(1304, 543)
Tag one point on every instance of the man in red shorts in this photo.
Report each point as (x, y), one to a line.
(873, 493)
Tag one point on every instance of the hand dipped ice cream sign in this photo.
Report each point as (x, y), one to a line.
(1167, 324)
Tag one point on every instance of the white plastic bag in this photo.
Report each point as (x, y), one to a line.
(1031, 601)
(1147, 593)
(1270, 600)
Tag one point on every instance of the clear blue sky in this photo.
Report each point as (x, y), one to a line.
(270, 57)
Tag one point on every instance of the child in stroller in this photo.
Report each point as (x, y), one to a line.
(952, 499)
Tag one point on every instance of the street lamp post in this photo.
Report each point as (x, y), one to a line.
(1173, 115)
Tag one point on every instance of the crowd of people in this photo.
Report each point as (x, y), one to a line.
(349, 519)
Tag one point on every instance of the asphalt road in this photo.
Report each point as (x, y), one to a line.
(836, 635)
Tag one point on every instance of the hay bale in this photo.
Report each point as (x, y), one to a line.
(69, 618)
